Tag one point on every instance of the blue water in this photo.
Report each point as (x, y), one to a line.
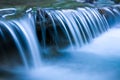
(96, 58)
(99, 60)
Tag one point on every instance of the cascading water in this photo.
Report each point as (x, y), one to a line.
(27, 25)
(26, 38)
(23, 34)
(79, 26)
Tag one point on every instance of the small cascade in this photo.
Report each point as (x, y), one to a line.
(23, 36)
(27, 26)
(112, 14)
(78, 26)
(26, 37)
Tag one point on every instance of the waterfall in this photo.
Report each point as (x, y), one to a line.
(78, 26)
(23, 34)
(32, 32)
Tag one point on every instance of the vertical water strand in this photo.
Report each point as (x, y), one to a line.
(117, 14)
(89, 34)
(42, 19)
(61, 20)
(97, 20)
(109, 15)
(75, 26)
(2, 34)
(27, 25)
(106, 22)
(85, 26)
(51, 16)
(101, 19)
(104, 19)
(35, 49)
(86, 14)
(90, 24)
(91, 20)
(78, 22)
(67, 17)
(101, 25)
(17, 41)
(69, 26)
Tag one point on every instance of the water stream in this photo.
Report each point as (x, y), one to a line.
(61, 44)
